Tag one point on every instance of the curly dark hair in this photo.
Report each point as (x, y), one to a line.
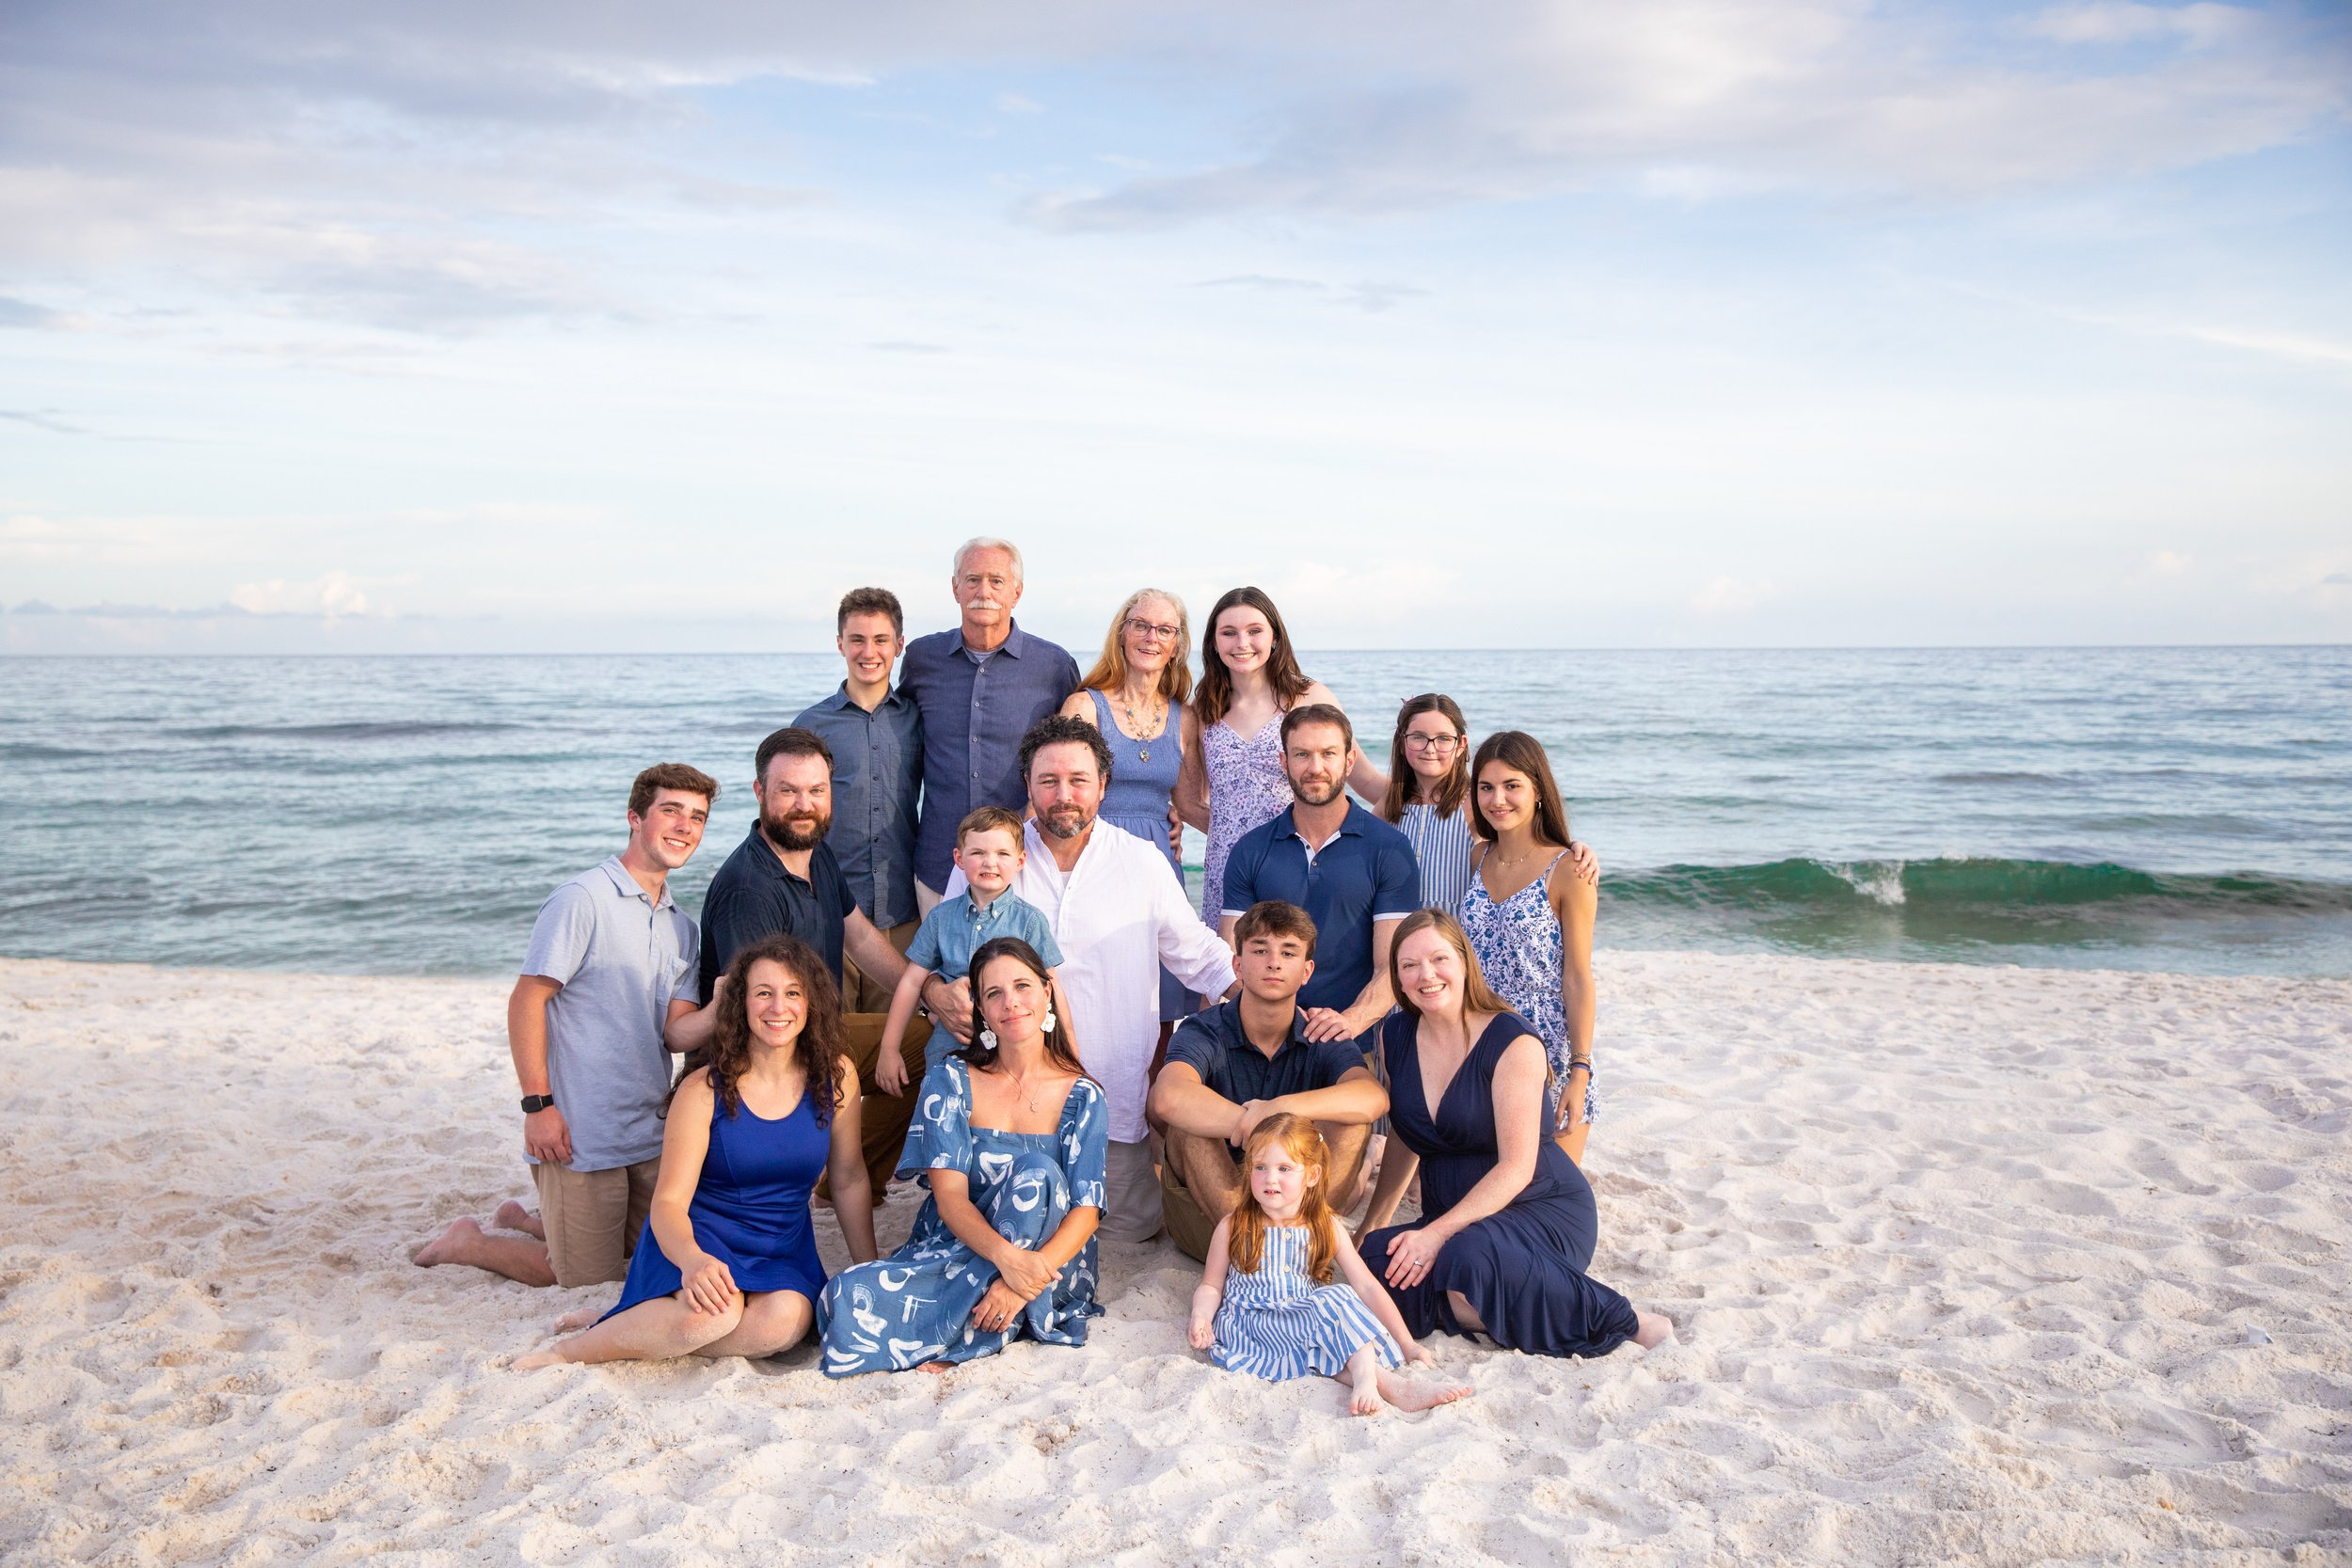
(1058, 729)
(1060, 1049)
(819, 1046)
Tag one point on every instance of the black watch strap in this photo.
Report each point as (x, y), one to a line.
(538, 1102)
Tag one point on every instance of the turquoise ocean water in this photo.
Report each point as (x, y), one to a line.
(2156, 808)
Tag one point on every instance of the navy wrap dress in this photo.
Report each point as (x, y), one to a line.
(1521, 1268)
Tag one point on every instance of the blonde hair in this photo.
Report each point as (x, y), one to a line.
(1477, 996)
(1245, 1244)
(1110, 671)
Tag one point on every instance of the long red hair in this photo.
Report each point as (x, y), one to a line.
(1245, 1244)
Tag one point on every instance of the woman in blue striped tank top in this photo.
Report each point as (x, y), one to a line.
(1269, 1304)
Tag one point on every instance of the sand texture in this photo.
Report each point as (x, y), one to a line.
(1968, 1264)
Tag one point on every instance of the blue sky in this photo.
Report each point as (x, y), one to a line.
(1555, 324)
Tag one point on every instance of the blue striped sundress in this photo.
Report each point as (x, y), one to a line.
(1278, 1323)
(1441, 847)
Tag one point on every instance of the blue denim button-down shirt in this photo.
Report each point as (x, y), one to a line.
(974, 713)
(877, 774)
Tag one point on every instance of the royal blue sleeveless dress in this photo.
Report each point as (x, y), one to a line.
(750, 1209)
(1522, 1268)
(1143, 781)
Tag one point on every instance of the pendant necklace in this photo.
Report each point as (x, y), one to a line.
(1135, 728)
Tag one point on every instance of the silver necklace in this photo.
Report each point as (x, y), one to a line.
(1135, 727)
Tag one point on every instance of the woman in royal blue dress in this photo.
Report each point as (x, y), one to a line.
(1508, 1222)
(729, 1263)
(1014, 1140)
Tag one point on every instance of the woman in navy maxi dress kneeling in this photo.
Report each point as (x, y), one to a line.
(728, 1264)
(1507, 1221)
(1015, 1137)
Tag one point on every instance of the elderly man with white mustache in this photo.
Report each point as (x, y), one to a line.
(978, 689)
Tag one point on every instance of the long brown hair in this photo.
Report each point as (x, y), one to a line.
(1403, 781)
(818, 1048)
(1523, 754)
(1110, 671)
(1215, 695)
(1477, 996)
(1245, 1244)
(1060, 1049)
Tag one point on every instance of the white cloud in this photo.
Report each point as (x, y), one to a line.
(333, 595)
(2202, 23)
(2168, 563)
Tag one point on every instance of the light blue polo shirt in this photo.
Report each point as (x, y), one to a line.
(620, 959)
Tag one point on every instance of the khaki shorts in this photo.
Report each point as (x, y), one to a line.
(860, 993)
(1188, 1225)
(593, 1217)
(1134, 1211)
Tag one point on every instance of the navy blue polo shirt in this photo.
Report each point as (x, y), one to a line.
(975, 708)
(1366, 873)
(1213, 1044)
(754, 897)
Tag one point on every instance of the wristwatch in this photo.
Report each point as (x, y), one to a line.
(538, 1102)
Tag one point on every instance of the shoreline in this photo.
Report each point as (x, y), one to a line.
(1961, 1260)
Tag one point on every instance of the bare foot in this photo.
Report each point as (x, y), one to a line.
(936, 1367)
(444, 1247)
(514, 1216)
(552, 1356)
(1363, 1398)
(1652, 1329)
(1411, 1393)
(572, 1323)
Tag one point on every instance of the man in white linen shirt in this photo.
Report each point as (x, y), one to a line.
(1120, 914)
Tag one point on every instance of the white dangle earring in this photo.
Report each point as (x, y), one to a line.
(1048, 1025)
(988, 1039)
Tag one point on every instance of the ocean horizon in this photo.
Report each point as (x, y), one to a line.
(2184, 808)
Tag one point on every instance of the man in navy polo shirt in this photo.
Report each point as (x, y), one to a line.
(1353, 874)
(784, 878)
(1243, 1060)
(978, 688)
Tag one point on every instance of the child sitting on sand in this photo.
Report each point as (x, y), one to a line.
(1284, 1315)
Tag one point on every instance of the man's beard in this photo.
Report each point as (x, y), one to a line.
(1064, 822)
(1317, 792)
(801, 831)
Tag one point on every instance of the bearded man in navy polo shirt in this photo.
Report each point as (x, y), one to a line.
(1353, 874)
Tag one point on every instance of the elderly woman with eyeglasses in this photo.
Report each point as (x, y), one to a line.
(1135, 695)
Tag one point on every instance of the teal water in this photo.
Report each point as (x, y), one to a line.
(2165, 808)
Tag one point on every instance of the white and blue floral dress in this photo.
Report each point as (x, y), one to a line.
(1519, 949)
(1277, 1323)
(915, 1306)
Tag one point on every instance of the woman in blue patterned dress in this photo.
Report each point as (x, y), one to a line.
(1234, 779)
(727, 1264)
(1529, 917)
(1014, 1142)
(1135, 695)
(1270, 1305)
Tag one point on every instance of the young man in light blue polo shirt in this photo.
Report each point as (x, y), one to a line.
(611, 961)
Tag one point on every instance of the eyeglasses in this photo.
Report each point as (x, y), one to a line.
(1154, 629)
(1436, 744)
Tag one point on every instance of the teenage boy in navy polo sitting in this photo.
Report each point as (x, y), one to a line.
(1242, 1061)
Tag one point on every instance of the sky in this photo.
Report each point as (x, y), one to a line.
(1697, 322)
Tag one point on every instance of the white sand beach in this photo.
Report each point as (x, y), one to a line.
(1968, 1264)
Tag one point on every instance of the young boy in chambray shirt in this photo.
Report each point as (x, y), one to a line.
(988, 852)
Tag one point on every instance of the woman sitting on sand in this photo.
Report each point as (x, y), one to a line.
(728, 1264)
(1507, 1221)
(1014, 1140)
